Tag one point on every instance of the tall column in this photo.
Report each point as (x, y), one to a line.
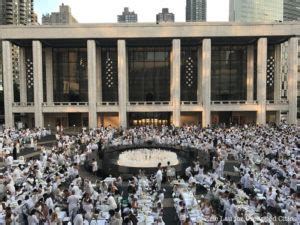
(277, 117)
(122, 83)
(250, 72)
(199, 81)
(292, 79)
(277, 75)
(38, 82)
(49, 74)
(99, 75)
(23, 86)
(261, 80)
(92, 83)
(8, 83)
(206, 81)
(175, 81)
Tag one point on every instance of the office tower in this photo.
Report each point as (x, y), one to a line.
(127, 16)
(255, 10)
(291, 10)
(195, 10)
(64, 16)
(165, 16)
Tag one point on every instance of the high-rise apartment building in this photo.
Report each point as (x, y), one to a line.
(291, 10)
(17, 12)
(64, 16)
(165, 16)
(255, 10)
(195, 10)
(127, 16)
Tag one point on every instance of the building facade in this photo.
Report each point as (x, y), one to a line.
(255, 10)
(127, 16)
(165, 16)
(195, 10)
(291, 10)
(16, 12)
(138, 74)
(64, 16)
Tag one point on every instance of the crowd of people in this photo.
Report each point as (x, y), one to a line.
(50, 189)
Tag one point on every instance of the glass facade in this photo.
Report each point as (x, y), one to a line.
(229, 73)
(189, 73)
(70, 81)
(109, 61)
(149, 74)
(255, 10)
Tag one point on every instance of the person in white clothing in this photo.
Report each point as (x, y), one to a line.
(78, 219)
(94, 166)
(72, 204)
(159, 177)
(111, 202)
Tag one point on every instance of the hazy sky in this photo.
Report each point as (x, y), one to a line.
(100, 11)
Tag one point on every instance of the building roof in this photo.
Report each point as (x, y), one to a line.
(151, 30)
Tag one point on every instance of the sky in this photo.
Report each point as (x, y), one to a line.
(106, 11)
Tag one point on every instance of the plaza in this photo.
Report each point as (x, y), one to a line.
(150, 74)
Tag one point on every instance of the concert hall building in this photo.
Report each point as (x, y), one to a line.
(138, 74)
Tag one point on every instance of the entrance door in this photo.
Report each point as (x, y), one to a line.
(75, 119)
(225, 117)
(149, 118)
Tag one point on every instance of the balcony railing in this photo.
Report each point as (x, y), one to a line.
(190, 103)
(22, 104)
(235, 102)
(282, 101)
(107, 103)
(150, 103)
(51, 104)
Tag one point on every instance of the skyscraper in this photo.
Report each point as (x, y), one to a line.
(64, 16)
(255, 10)
(291, 10)
(127, 16)
(165, 16)
(17, 12)
(195, 10)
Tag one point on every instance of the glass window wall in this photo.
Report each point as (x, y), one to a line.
(149, 74)
(229, 73)
(70, 75)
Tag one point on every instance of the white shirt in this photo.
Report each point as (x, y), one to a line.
(78, 220)
(111, 202)
(159, 176)
(72, 201)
